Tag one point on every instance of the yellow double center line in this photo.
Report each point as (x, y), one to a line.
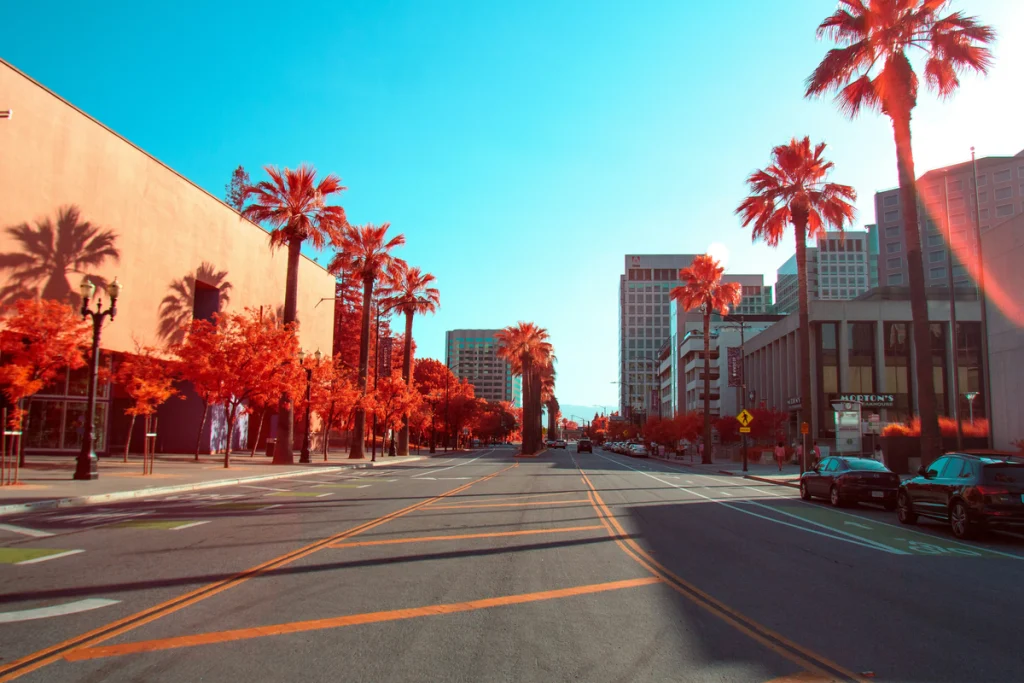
(774, 641)
(41, 658)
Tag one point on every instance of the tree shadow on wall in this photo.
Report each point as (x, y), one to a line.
(192, 297)
(50, 252)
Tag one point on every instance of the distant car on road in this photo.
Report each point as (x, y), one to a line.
(584, 445)
(637, 450)
(843, 480)
(972, 493)
(558, 443)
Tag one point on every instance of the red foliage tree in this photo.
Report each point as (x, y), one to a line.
(333, 396)
(728, 428)
(149, 380)
(393, 398)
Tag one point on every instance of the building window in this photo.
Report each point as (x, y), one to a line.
(1004, 210)
(1002, 176)
(1020, 171)
(982, 180)
(896, 337)
(894, 263)
(983, 197)
(891, 200)
(893, 247)
(957, 219)
(984, 214)
(828, 372)
(892, 232)
(936, 256)
(936, 273)
(861, 356)
(891, 216)
(935, 240)
(969, 343)
(1004, 193)
(896, 279)
(939, 333)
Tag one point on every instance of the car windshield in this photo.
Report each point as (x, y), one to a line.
(866, 465)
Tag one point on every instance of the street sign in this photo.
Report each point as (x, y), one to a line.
(745, 418)
(744, 430)
(805, 428)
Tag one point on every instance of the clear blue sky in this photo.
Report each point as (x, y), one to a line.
(522, 147)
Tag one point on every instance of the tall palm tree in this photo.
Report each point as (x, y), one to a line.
(703, 289)
(178, 306)
(793, 190)
(413, 295)
(366, 253)
(294, 204)
(873, 70)
(49, 253)
(526, 348)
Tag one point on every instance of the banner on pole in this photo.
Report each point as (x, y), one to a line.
(384, 358)
(735, 366)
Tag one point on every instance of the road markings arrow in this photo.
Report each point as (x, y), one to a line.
(55, 610)
(862, 526)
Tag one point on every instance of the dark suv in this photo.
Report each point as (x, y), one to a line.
(971, 492)
(584, 445)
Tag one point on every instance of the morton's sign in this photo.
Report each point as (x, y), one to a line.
(867, 400)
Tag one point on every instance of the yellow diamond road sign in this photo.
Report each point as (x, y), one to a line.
(744, 418)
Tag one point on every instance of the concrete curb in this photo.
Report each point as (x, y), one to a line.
(777, 482)
(114, 496)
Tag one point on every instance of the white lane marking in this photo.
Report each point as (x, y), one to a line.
(361, 487)
(879, 544)
(331, 493)
(459, 464)
(862, 526)
(726, 493)
(55, 610)
(46, 558)
(262, 488)
(24, 531)
(732, 506)
(189, 526)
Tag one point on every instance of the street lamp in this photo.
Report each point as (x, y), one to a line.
(304, 458)
(86, 467)
(970, 396)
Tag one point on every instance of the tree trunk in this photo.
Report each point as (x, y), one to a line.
(538, 424)
(284, 451)
(403, 434)
(359, 424)
(527, 427)
(229, 417)
(256, 439)
(931, 439)
(433, 431)
(804, 333)
(707, 389)
(128, 443)
(202, 425)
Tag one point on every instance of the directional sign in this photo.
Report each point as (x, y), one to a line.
(744, 418)
(805, 428)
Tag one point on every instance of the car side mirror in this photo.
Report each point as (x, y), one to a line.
(922, 471)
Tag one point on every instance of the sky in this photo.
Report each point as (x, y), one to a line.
(523, 148)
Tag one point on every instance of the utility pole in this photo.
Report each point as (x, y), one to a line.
(980, 279)
(954, 342)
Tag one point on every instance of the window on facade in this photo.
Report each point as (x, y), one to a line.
(936, 273)
(892, 232)
(896, 279)
(983, 197)
(936, 256)
(828, 369)
(1002, 176)
(894, 247)
(1004, 210)
(982, 180)
(894, 263)
(984, 214)
(891, 216)
(891, 200)
(1004, 193)
(935, 241)
(861, 356)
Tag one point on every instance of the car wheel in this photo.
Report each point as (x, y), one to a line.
(834, 498)
(960, 523)
(804, 493)
(905, 509)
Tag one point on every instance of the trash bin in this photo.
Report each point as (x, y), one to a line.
(271, 444)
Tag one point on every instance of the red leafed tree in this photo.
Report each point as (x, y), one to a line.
(460, 409)
(149, 380)
(333, 395)
(728, 428)
(39, 339)
(241, 358)
(430, 377)
(393, 398)
(688, 426)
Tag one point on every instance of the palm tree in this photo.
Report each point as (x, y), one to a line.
(413, 295)
(50, 252)
(873, 70)
(178, 307)
(526, 348)
(294, 204)
(793, 190)
(366, 253)
(703, 289)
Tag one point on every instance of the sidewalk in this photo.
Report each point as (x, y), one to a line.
(46, 481)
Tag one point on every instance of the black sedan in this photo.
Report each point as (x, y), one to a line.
(584, 445)
(844, 480)
(970, 492)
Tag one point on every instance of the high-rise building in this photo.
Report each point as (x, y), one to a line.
(1000, 195)
(645, 325)
(838, 268)
(472, 355)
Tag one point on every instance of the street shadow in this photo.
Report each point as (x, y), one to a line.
(196, 296)
(50, 251)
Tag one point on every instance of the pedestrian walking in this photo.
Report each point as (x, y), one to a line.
(780, 455)
(816, 452)
(878, 455)
(800, 454)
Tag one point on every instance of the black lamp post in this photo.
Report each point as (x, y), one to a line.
(86, 468)
(304, 458)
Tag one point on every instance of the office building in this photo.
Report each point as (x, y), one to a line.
(839, 267)
(472, 355)
(1000, 195)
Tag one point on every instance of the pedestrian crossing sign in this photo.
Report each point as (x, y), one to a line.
(744, 418)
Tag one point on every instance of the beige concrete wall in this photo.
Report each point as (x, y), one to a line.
(53, 155)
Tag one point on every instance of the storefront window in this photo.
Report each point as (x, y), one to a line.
(828, 375)
(897, 370)
(861, 358)
(939, 345)
(43, 424)
(56, 422)
(969, 343)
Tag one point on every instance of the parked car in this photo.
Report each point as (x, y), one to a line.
(843, 480)
(637, 450)
(972, 493)
(558, 443)
(584, 445)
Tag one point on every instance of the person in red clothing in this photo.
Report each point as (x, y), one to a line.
(780, 455)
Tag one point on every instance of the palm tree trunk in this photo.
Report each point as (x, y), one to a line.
(707, 388)
(538, 425)
(403, 434)
(931, 439)
(527, 407)
(202, 425)
(284, 450)
(806, 401)
(256, 439)
(128, 443)
(359, 424)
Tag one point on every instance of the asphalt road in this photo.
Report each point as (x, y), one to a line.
(485, 567)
